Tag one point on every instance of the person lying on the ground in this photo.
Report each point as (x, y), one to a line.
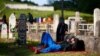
(48, 45)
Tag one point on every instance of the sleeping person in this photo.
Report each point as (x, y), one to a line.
(48, 45)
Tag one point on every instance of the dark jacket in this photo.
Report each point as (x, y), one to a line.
(60, 33)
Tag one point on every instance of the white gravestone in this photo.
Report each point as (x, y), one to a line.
(77, 20)
(3, 31)
(73, 27)
(77, 17)
(40, 20)
(96, 20)
(73, 23)
(12, 24)
(55, 22)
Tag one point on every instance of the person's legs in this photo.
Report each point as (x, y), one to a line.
(53, 48)
(47, 39)
(51, 45)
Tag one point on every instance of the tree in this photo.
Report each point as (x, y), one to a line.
(66, 5)
(86, 5)
(17, 0)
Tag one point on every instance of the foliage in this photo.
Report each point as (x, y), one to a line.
(66, 5)
(87, 5)
(36, 13)
(80, 5)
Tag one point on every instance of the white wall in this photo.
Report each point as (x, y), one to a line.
(26, 6)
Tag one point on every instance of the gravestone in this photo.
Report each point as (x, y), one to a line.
(22, 29)
(97, 29)
(77, 14)
(3, 31)
(73, 27)
(12, 24)
(96, 20)
(77, 20)
(77, 17)
(55, 24)
(73, 23)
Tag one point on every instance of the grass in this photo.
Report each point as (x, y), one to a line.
(35, 13)
(10, 49)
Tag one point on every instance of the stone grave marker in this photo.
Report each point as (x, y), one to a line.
(4, 30)
(22, 28)
(96, 21)
(12, 24)
(97, 29)
(55, 24)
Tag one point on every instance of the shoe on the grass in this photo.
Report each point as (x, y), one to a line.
(36, 51)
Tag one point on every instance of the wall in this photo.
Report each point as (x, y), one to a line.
(26, 6)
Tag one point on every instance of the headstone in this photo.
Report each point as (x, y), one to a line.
(3, 31)
(77, 14)
(55, 25)
(22, 29)
(77, 17)
(73, 27)
(55, 22)
(77, 20)
(97, 30)
(96, 21)
(12, 24)
(74, 22)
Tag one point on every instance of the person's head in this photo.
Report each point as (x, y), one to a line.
(72, 40)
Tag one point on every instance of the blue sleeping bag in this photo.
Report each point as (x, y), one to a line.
(48, 41)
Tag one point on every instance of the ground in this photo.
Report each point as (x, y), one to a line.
(11, 49)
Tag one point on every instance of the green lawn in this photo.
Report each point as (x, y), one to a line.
(10, 49)
(35, 13)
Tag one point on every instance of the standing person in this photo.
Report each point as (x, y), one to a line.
(4, 19)
(61, 31)
(30, 18)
